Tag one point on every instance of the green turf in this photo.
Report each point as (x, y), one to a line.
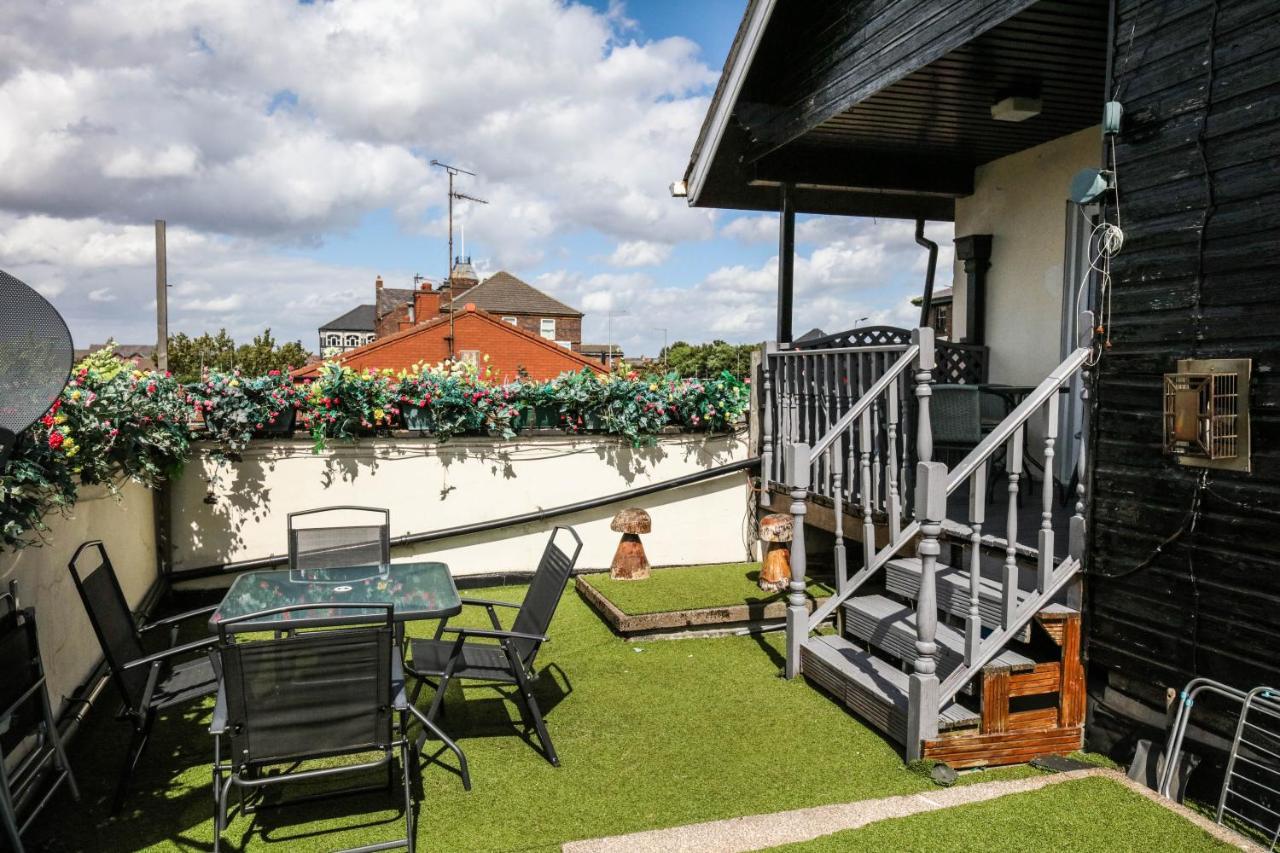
(1083, 815)
(691, 588)
(650, 734)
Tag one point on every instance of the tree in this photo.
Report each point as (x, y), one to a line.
(189, 357)
(706, 360)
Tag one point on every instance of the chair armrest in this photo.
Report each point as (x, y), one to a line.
(489, 602)
(218, 725)
(497, 635)
(173, 652)
(173, 620)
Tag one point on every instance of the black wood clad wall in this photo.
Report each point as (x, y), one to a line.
(1198, 166)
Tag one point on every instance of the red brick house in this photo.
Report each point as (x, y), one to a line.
(512, 350)
(508, 298)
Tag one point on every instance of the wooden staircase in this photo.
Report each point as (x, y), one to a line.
(975, 660)
(1027, 701)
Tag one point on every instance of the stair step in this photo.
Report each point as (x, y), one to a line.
(873, 688)
(891, 625)
(902, 576)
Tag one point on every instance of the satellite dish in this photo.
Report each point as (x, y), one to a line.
(35, 359)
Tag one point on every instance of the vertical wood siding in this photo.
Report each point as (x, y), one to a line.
(1199, 276)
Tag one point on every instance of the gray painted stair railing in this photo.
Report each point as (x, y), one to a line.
(927, 694)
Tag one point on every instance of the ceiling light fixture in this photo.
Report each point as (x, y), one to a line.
(1016, 108)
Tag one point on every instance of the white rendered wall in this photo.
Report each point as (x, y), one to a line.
(126, 526)
(1021, 201)
(429, 486)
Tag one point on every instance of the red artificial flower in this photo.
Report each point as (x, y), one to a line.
(55, 439)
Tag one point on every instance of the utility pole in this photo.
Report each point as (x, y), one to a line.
(451, 171)
(162, 299)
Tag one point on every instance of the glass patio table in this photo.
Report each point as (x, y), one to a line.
(414, 591)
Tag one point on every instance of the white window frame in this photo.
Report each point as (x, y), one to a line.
(469, 356)
(547, 328)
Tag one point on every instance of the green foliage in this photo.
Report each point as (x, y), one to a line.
(713, 405)
(455, 400)
(344, 404)
(713, 359)
(235, 407)
(189, 358)
(111, 423)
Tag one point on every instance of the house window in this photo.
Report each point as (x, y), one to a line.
(547, 328)
(510, 320)
(469, 356)
(942, 320)
(353, 340)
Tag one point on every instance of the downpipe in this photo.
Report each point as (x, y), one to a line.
(926, 302)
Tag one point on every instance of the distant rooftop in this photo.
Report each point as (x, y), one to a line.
(358, 319)
(504, 293)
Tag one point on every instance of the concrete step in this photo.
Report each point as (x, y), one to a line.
(890, 625)
(873, 688)
(902, 577)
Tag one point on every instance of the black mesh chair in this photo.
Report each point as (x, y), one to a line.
(335, 689)
(509, 660)
(312, 548)
(26, 723)
(148, 683)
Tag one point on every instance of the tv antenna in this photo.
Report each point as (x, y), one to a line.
(452, 172)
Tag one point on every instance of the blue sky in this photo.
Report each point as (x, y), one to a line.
(288, 148)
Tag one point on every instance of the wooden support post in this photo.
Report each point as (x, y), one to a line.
(925, 363)
(1071, 695)
(786, 261)
(797, 457)
(975, 251)
(922, 700)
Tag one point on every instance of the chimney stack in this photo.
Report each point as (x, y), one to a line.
(426, 303)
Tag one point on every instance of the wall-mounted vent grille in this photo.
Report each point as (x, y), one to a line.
(1206, 413)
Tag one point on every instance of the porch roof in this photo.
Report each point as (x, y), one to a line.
(882, 108)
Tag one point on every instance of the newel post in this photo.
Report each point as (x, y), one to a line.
(797, 462)
(766, 422)
(922, 706)
(925, 362)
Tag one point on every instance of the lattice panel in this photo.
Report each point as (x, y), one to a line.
(961, 364)
(867, 336)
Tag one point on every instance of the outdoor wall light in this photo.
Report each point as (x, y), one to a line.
(1206, 413)
(1016, 108)
(679, 189)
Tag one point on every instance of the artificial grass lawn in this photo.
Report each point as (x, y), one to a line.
(692, 588)
(650, 734)
(1091, 814)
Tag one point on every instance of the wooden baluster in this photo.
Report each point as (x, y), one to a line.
(977, 515)
(1013, 465)
(868, 525)
(767, 473)
(1044, 565)
(877, 360)
(893, 508)
(1075, 542)
(834, 454)
(922, 700)
(924, 377)
(797, 602)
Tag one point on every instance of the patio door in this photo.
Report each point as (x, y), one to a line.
(1079, 286)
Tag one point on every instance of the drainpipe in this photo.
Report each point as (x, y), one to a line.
(927, 301)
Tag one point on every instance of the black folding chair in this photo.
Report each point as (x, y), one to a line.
(148, 683)
(313, 548)
(318, 694)
(511, 660)
(26, 722)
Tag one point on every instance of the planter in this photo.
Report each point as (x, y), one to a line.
(416, 418)
(283, 426)
(539, 417)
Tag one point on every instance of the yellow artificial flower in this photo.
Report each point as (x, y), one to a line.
(234, 383)
(653, 386)
(60, 419)
(75, 395)
(378, 414)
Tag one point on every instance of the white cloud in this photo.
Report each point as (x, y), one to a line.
(570, 122)
(102, 294)
(639, 253)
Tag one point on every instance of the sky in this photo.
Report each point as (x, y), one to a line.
(288, 146)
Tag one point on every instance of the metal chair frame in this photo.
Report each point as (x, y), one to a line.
(17, 785)
(242, 772)
(519, 648)
(138, 710)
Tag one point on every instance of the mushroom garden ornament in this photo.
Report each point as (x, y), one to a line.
(629, 561)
